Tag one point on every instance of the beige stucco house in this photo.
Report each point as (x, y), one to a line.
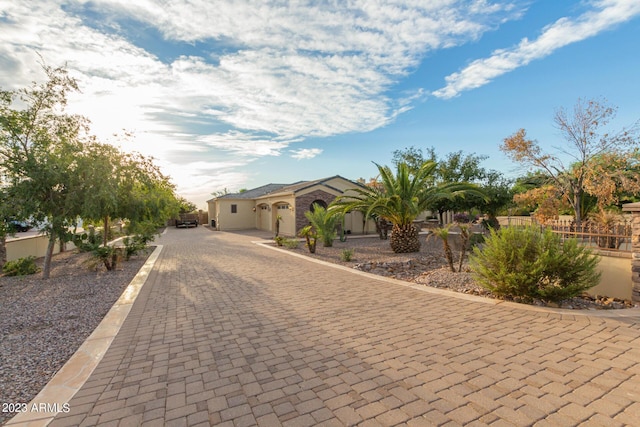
(259, 207)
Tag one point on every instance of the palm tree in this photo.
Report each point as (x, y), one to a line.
(325, 223)
(402, 197)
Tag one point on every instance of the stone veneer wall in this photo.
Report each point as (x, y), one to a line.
(303, 204)
(634, 208)
(635, 256)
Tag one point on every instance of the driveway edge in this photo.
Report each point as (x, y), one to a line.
(55, 396)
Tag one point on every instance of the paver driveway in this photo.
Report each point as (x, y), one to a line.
(229, 333)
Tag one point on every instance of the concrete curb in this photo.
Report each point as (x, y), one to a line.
(55, 396)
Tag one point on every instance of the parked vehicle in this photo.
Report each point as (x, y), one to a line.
(187, 220)
(20, 226)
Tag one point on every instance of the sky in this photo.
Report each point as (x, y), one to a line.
(233, 94)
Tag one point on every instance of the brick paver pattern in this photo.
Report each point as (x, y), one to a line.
(228, 333)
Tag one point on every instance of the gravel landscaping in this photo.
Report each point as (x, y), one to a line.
(43, 322)
(428, 267)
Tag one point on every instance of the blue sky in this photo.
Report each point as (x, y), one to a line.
(237, 94)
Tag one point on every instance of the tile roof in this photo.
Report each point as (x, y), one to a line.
(273, 189)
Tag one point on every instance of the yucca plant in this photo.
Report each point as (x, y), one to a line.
(443, 234)
(311, 236)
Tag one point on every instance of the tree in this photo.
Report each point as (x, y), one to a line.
(498, 195)
(186, 206)
(404, 195)
(56, 173)
(129, 186)
(458, 167)
(38, 143)
(413, 157)
(6, 211)
(461, 167)
(325, 222)
(587, 141)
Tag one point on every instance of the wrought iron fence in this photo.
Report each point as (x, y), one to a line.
(610, 237)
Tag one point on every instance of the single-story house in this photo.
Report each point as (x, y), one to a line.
(259, 207)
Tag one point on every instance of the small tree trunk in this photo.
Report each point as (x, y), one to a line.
(105, 234)
(46, 269)
(3, 250)
(577, 209)
(464, 241)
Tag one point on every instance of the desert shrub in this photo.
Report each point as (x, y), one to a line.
(133, 245)
(346, 255)
(21, 267)
(462, 218)
(87, 242)
(531, 264)
(108, 255)
(291, 243)
(279, 240)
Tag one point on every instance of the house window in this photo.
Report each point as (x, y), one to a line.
(263, 207)
(285, 206)
(234, 208)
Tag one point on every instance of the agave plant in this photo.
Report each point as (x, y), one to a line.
(400, 199)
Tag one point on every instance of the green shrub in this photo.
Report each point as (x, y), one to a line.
(346, 255)
(133, 245)
(528, 263)
(476, 239)
(291, 243)
(21, 267)
(87, 242)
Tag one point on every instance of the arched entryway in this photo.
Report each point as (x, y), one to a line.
(318, 202)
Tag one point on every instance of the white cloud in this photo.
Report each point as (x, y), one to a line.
(305, 153)
(244, 144)
(564, 31)
(259, 77)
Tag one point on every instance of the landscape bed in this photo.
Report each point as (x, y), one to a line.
(43, 322)
(428, 267)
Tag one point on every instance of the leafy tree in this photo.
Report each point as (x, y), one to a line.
(588, 142)
(56, 173)
(403, 196)
(185, 206)
(460, 167)
(414, 157)
(498, 195)
(38, 143)
(112, 184)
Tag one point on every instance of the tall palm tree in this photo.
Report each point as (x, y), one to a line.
(403, 196)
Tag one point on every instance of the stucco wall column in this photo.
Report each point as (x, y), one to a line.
(634, 208)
